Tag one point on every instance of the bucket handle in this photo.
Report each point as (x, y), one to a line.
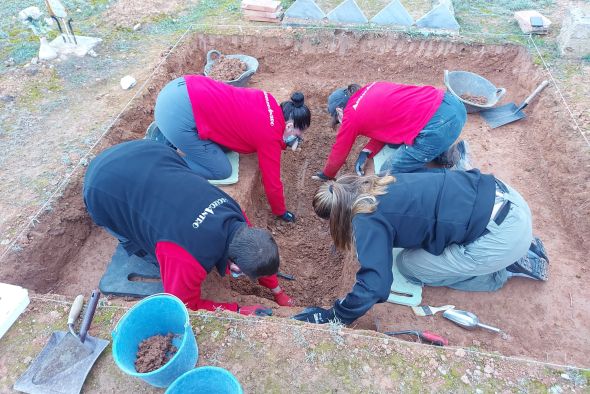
(211, 53)
(499, 93)
(188, 322)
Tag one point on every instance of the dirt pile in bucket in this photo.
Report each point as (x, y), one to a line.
(227, 69)
(154, 352)
(479, 100)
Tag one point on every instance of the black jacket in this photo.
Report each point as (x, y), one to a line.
(428, 210)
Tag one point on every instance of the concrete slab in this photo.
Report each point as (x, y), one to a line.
(63, 46)
(440, 17)
(305, 9)
(393, 14)
(347, 12)
(574, 37)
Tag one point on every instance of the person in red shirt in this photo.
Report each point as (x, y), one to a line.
(144, 194)
(422, 122)
(204, 118)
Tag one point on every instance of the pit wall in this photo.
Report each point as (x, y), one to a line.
(53, 243)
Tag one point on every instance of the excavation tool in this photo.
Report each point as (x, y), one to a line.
(58, 12)
(424, 336)
(285, 276)
(508, 113)
(66, 360)
(467, 320)
(426, 310)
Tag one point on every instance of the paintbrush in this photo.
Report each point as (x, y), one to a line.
(425, 310)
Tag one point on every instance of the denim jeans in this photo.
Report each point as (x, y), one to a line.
(436, 137)
(481, 264)
(174, 116)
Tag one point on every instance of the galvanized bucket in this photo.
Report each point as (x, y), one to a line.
(243, 79)
(464, 82)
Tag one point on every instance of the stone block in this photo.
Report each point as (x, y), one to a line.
(574, 37)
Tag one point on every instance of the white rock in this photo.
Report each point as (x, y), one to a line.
(488, 369)
(565, 376)
(92, 53)
(5, 242)
(136, 27)
(34, 60)
(46, 52)
(32, 12)
(460, 353)
(465, 379)
(127, 82)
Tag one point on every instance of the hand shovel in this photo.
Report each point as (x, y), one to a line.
(508, 113)
(467, 320)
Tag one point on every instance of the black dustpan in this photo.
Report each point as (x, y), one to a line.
(66, 360)
(508, 113)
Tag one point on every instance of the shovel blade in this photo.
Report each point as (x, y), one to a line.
(504, 114)
(67, 353)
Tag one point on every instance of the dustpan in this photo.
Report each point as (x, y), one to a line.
(508, 113)
(66, 360)
(403, 291)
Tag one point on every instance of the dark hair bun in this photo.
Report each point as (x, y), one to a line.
(297, 99)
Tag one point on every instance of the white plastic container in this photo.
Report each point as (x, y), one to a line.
(13, 301)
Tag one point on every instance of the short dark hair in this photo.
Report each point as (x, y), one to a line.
(338, 99)
(255, 251)
(296, 110)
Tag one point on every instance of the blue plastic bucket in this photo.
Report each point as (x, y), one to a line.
(210, 380)
(159, 314)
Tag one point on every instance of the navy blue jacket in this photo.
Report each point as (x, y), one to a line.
(142, 190)
(428, 210)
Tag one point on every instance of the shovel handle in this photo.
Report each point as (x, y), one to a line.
(493, 329)
(89, 314)
(75, 309)
(535, 92)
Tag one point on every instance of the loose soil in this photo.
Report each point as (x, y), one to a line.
(480, 100)
(66, 253)
(154, 352)
(227, 69)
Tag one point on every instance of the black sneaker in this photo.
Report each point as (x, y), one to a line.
(530, 266)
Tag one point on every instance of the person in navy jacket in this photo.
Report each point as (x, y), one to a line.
(146, 195)
(461, 229)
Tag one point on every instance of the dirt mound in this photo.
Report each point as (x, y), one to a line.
(227, 69)
(154, 352)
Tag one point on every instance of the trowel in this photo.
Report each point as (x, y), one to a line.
(467, 320)
(66, 360)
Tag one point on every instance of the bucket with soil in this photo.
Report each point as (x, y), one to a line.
(234, 70)
(154, 340)
(473, 90)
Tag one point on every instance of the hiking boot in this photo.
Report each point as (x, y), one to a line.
(538, 248)
(530, 266)
(153, 133)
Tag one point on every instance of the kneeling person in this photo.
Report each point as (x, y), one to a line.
(145, 194)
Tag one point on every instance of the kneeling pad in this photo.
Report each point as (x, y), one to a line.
(380, 158)
(234, 159)
(126, 276)
(402, 290)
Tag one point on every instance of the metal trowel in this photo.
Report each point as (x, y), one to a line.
(467, 320)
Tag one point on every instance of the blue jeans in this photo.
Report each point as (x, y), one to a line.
(481, 264)
(436, 137)
(174, 117)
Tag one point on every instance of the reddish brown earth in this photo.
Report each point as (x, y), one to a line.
(227, 69)
(154, 352)
(540, 156)
(481, 100)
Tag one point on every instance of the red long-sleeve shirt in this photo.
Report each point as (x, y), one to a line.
(246, 121)
(385, 112)
(182, 276)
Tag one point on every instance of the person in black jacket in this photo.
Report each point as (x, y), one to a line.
(461, 229)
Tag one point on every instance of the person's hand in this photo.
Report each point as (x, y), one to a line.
(288, 217)
(359, 166)
(316, 315)
(256, 310)
(320, 176)
(283, 299)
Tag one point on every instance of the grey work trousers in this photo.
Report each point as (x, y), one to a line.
(481, 264)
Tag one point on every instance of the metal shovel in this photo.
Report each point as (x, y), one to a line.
(508, 113)
(66, 360)
(467, 320)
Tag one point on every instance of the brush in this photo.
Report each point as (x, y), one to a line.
(426, 310)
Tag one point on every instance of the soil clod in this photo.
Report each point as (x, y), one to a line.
(227, 69)
(479, 100)
(154, 352)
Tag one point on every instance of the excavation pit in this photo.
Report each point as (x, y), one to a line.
(67, 254)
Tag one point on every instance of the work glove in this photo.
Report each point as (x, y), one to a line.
(283, 299)
(288, 217)
(359, 166)
(256, 310)
(316, 315)
(320, 176)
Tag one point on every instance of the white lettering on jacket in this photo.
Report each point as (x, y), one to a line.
(270, 111)
(208, 211)
(362, 95)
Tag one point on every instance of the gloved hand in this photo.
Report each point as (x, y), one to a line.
(283, 299)
(320, 176)
(316, 315)
(257, 310)
(288, 217)
(359, 166)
